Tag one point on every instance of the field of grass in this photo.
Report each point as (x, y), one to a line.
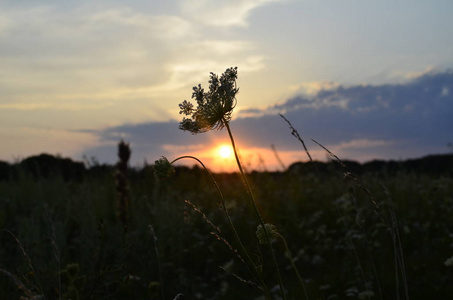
(315, 231)
(63, 239)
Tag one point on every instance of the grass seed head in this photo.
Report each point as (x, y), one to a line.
(271, 231)
(124, 151)
(163, 169)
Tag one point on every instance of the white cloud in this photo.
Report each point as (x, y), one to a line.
(194, 71)
(415, 74)
(70, 52)
(313, 87)
(220, 47)
(221, 13)
(57, 58)
(138, 23)
(363, 143)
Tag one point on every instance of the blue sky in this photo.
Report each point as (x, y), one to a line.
(75, 76)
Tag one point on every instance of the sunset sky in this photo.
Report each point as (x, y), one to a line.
(367, 79)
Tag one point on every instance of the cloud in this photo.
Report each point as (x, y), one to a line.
(116, 48)
(363, 143)
(222, 47)
(312, 88)
(183, 74)
(116, 62)
(222, 13)
(49, 53)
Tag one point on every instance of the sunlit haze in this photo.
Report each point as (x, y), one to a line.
(367, 79)
(225, 151)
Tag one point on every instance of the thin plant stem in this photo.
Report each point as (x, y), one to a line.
(357, 180)
(255, 207)
(30, 265)
(278, 158)
(398, 248)
(27, 293)
(293, 265)
(297, 136)
(256, 275)
(354, 249)
(156, 251)
(57, 256)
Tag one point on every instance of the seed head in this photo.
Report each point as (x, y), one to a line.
(214, 107)
(271, 231)
(124, 151)
(163, 169)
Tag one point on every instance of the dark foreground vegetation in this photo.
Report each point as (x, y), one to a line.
(386, 233)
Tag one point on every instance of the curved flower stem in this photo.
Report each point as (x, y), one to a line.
(293, 265)
(256, 275)
(255, 208)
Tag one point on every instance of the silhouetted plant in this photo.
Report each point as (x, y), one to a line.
(214, 107)
(214, 112)
(122, 187)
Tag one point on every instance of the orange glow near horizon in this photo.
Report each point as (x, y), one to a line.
(222, 158)
(219, 157)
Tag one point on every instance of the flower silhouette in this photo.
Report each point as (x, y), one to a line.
(163, 168)
(214, 107)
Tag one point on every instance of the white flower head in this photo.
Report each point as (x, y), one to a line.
(214, 107)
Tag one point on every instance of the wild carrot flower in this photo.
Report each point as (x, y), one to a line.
(214, 111)
(163, 168)
(214, 107)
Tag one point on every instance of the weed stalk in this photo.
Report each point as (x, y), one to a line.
(293, 266)
(124, 153)
(255, 208)
(156, 251)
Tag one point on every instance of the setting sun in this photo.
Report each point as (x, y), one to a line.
(225, 151)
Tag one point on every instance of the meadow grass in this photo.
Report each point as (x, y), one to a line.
(341, 248)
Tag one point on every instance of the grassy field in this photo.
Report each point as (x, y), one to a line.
(315, 231)
(63, 239)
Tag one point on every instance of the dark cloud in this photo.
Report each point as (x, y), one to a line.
(419, 110)
(148, 140)
(386, 121)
